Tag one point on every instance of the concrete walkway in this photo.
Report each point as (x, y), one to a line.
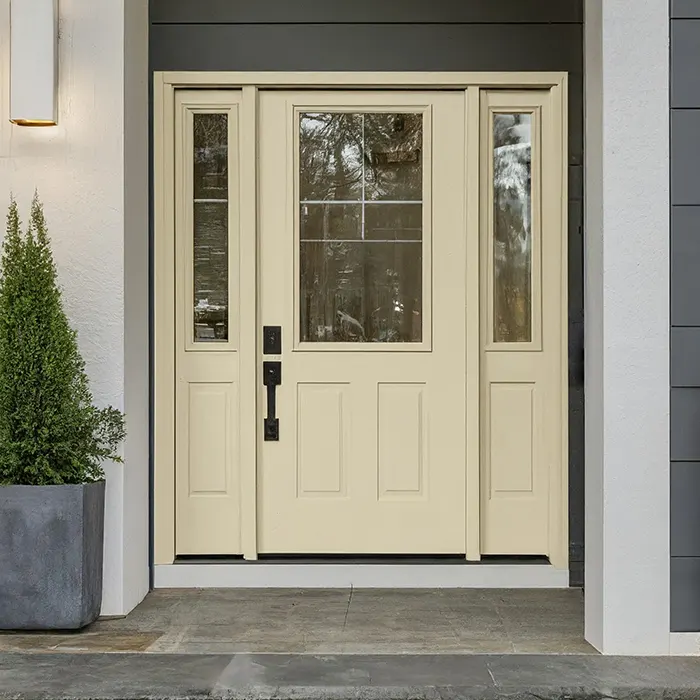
(310, 677)
(365, 621)
(337, 645)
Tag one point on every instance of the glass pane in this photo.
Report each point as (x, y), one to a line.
(210, 236)
(393, 156)
(330, 157)
(512, 234)
(361, 255)
(211, 156)
(363, 291)
(394, 222)
(324, 221)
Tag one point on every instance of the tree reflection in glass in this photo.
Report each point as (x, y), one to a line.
(360, 209)
(512, 234)
(210, 227)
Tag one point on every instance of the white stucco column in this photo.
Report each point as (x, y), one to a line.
(91, 172)
(627, 326)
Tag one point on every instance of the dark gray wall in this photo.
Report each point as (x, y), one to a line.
(685, 315)
(404, 35)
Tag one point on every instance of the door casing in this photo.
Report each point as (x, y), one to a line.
(164, 422)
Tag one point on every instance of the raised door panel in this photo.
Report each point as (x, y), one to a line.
(210, 415)
(511, 440)
(402, 436)
(208, 476)
(322, 441)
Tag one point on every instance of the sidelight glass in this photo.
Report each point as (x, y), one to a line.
(210, 235)
(361, 227)
(512, 227)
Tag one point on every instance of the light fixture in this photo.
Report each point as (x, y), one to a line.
(33, 62)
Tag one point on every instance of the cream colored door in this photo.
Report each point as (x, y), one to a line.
(412, 252)
(362, 244)
(524, 285)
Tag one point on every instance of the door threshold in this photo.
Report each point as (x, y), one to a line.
(363, 559)
(266, 574)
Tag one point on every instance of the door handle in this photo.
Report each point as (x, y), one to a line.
(272, 378)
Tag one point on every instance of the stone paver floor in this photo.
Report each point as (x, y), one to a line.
(314, 621)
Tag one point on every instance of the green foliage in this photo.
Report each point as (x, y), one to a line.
(50, 431)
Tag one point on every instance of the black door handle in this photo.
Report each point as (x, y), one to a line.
(272, 378)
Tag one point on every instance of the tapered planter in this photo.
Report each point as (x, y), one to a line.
(51, 555)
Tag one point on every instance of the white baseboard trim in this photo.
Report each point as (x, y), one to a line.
(684, 644)
(259, 575)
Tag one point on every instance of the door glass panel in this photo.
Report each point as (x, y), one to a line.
(512, 234)
(210, 236)
(361, 227)
(393, 145)
(330, 157)
(337, 221)
(393, 222)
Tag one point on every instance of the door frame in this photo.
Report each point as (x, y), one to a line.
(163, 261)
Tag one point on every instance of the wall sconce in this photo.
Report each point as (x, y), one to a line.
(33, 62)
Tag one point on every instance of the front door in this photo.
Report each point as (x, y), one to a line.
(360, 323)
(363, 271)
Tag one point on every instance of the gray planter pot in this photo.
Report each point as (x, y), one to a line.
(51, 556)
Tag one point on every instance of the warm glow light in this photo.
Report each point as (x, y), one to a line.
(33, 62)
(33, 122)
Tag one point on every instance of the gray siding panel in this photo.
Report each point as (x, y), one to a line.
(576, 483)
(685, 315)
(685, 513)
(685, 426)
(575, 113)
(685, 8)
(395, 47)
(685, 359)
(685, 594)
(685, 76)
(575, 269)
(685, 156)
(576, 183)
(364, 11)
(685, 264)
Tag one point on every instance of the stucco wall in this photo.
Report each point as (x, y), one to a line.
(78, 168)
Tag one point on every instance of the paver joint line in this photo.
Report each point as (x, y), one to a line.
(347, 610)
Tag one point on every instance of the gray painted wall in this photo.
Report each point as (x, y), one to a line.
(403, 35)
(685, 315)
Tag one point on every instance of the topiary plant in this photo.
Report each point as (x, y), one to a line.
(50, 431)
